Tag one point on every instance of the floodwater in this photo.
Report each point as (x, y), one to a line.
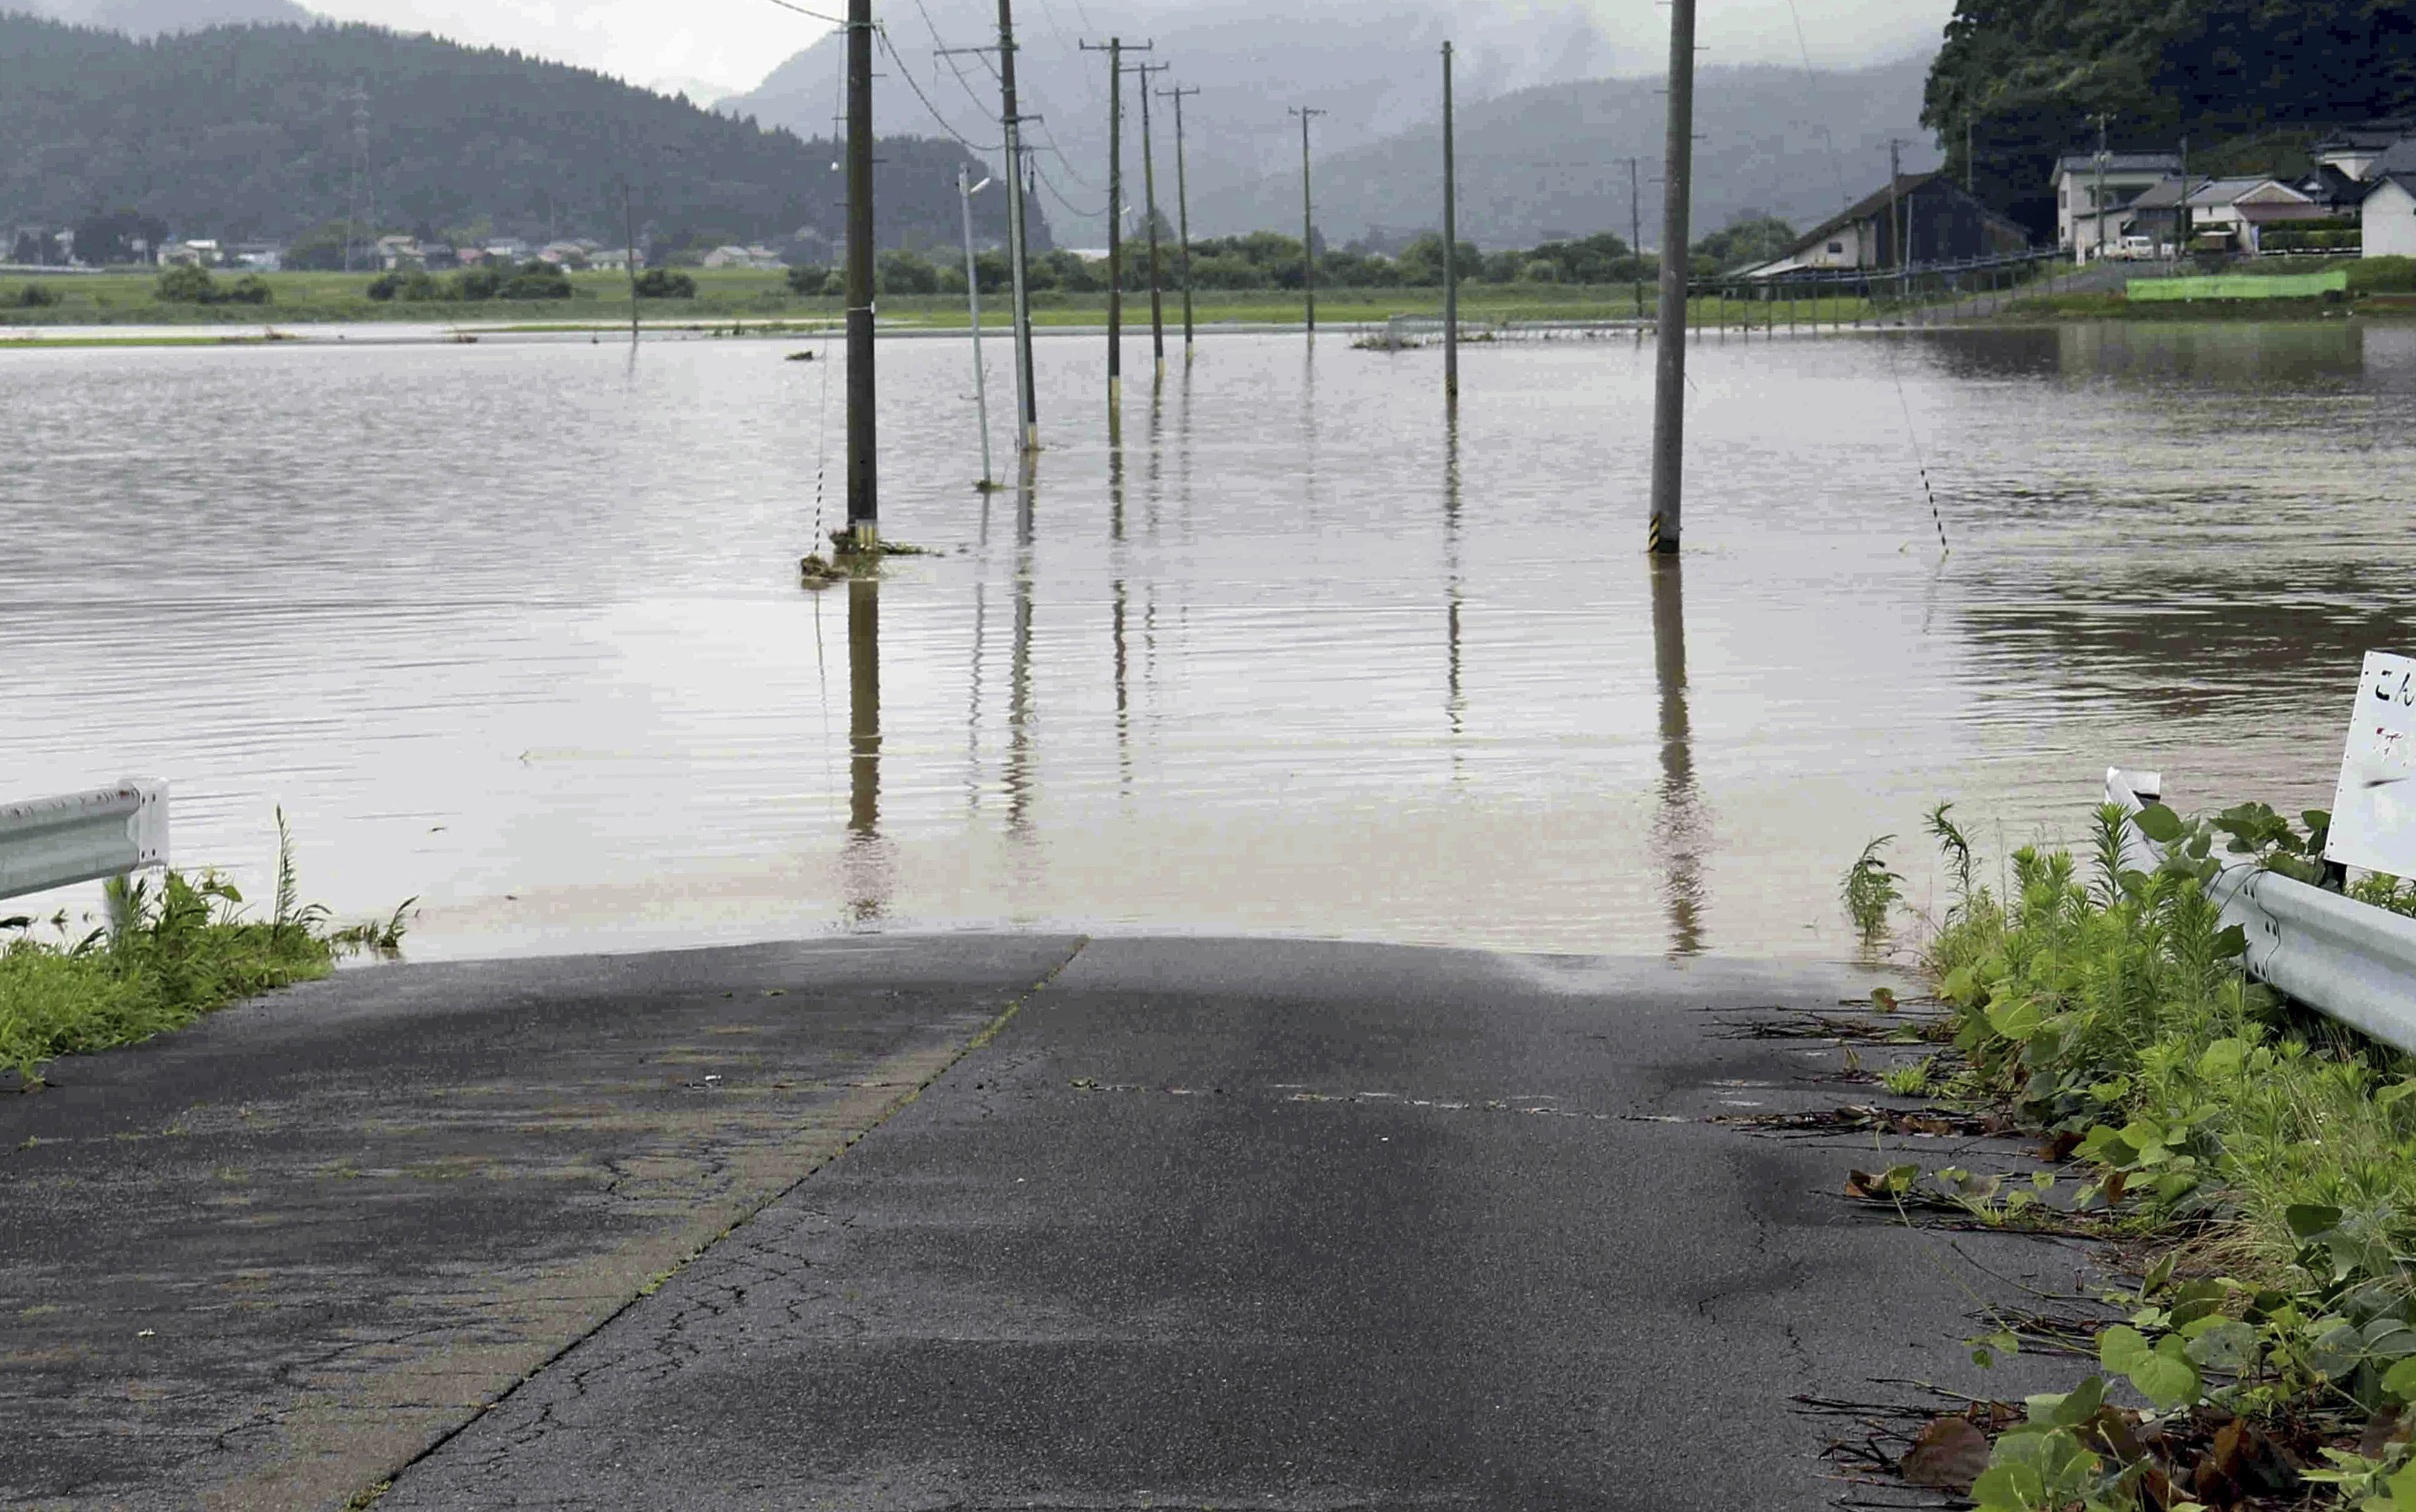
(515, 629)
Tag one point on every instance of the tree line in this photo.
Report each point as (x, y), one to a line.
(2252, 80)
(248, 134)
(1267, 260)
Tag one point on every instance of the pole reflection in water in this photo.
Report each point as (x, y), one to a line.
(1018, 676)
(1122, 652)
(865, 861)
(1455, 703)
(1679, 828)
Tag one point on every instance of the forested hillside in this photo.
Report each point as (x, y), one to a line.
(2028, 75)
(1550, 163)
(245, 132)
(145, 18)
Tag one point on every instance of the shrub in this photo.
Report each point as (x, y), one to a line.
(2383, 275)
(667, 283)
(809, 278)
(32, 297)
(905, 272)
(536, 280)
(475, 283)
(251, 289)
(187, 283)
(384, 287)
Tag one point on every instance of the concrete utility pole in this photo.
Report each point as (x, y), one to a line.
(1895, 221)
(1018, 247)
(1149, 194)
(1968, 160)
(863, 490)
(2100, 197)
(1115, 52)
(1450, 246)
(1635, 225)
(1308, 224)
(1183, 212)
(965, 191)
(1669, 375)
(630, 259)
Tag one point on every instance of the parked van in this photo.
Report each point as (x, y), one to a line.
(2137, 247)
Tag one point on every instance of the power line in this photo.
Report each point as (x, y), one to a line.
(908, 74)
(786, 5)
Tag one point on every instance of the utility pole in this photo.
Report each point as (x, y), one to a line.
(2100, 197)
(1115, 52)
(965, 191)
(630, 259)
(1308, 224)
(1028, 412)
(863, 490)
(1669, 375)
(1896, 217)
(360, 171)
(1183, 214)
(1967, 154)
(1450, 246)
(1149, 191)
(1636, 226)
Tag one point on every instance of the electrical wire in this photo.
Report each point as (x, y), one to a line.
(788, 5)
(1904, 401)
(908, 74)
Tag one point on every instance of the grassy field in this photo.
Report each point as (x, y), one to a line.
(730, 299)
(733, 296)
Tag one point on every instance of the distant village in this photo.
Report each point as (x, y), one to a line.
(54, 248)
(2359, 199)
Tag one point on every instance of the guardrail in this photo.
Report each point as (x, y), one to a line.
(50, 842)
(2346, 959)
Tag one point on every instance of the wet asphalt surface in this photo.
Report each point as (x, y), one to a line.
(1291, 1225)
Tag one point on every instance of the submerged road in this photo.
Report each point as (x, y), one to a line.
(1132, 1222)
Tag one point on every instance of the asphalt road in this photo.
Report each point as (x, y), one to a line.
(1289, 1225)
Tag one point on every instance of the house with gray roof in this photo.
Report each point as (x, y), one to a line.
(2091, 189)
(2387, 213)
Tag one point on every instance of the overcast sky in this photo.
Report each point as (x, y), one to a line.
(731, 44)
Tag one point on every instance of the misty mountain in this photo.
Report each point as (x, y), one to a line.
(149, 17)
(1375, 70)
(264, 133)
(1543, 164)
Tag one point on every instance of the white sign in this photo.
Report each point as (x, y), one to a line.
(2374, 813)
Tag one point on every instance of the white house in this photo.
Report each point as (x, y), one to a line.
(2239, 209)
(2388, 216)
(2083, 225)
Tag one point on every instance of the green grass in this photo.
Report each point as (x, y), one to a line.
(602, 301)
(183, 948)
(2259, 1162)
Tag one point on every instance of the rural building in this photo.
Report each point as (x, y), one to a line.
(2387, 213)
(2231, 214)
(2082, 225)
(1942, 224)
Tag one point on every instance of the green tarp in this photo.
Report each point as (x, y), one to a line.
(2242, 286)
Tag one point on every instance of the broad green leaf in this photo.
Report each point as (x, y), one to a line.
(2166, 1377)
(2223, 1058)
(2081, 1403)
(2121, 1348)
(2308, 1219)
(2158, 824)
(2395, 1092)
(2227, 1345)
(2402, 1486)
(2009, 1489)
(2016, 1020)
(2400, 1380)
(2231, 942)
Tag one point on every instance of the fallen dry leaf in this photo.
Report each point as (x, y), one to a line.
(1949, 1454)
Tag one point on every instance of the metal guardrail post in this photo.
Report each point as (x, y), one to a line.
(2348, 961)
(52, 842)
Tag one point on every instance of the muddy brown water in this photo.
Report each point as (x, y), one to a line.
(514, 628)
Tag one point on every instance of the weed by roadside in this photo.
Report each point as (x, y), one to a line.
(176, 949)
(2264, 1162)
